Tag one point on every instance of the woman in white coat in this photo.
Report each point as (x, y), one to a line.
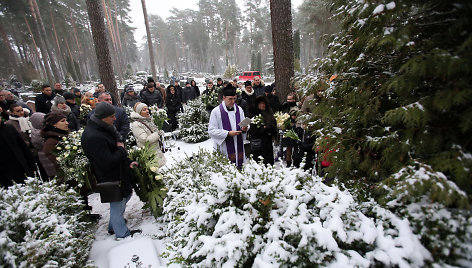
(144, 130)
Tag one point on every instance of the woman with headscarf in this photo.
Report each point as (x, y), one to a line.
(144, 130)
(262, 135)
(59, 105)
(55, 127)
(20, 121)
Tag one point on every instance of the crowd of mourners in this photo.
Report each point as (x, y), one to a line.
(29, 135)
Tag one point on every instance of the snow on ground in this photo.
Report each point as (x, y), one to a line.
(108, 252)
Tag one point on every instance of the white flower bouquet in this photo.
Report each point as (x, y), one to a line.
(283, 120)
(72, 162)
(84, 111)
(159, 116)
(258, 120)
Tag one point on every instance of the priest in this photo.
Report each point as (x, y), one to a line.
(228, 137)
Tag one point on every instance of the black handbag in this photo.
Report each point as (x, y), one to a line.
(256, 145)
(110, 191)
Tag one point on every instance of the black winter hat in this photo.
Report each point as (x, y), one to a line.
(68, 96)
(150, 79)
(247, 83)
(268, 89)
(104, 109)
(76, 90)
(229, 90)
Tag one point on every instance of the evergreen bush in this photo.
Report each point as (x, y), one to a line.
(193, 121)
(41, 225)
(396, 89)
(259, 216)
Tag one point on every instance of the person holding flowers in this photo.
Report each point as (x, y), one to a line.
(144, 130)
(263, 133)
(103, 146)
(55, 127)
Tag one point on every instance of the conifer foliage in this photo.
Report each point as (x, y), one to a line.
(193, 121)
(400, 92)
(42, 225)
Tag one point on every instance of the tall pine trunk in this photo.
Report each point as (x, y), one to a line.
(42, 67)
(148, 33)
(281, 21)
(11, 55)
(44, 54)
(42, 31)
(105, 68)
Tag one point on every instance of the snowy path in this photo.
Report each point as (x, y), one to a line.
(107, 252)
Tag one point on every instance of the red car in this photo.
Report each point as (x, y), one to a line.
(249, 75)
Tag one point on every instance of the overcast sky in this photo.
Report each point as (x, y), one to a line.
(163, 7)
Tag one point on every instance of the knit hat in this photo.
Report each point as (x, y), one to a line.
(76, 90)
(68, 96)
(104, 109)
(52, 118)
(139, 106)
(129, 89)
(247, 83)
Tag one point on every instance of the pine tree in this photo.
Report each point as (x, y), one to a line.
(396, 93)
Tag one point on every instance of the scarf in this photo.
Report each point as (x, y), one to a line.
(229, 140)
(147, 122)
(110, 129)
(249, 94)
(25, 124)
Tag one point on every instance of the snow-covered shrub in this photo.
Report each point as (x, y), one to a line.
(193, 122)
(41, 225)
(424, 197)
(260, 216)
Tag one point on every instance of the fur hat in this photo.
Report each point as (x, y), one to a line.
(58, 99)
(52, 118)
(104, 109)
(260, 99)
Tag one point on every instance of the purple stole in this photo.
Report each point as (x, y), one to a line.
(229, 140)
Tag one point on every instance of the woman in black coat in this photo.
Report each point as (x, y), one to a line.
(194, 85)
(16, 160)
(174, 106)
(263, 134)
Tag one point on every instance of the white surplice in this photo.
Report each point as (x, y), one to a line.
(218, 134)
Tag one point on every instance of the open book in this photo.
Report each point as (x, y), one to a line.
(245, 122)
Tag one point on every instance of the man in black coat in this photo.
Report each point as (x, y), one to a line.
(58, 89)
(152, 96)
(109, 162)
(43, 101)
(122, 122)
(16, 160)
